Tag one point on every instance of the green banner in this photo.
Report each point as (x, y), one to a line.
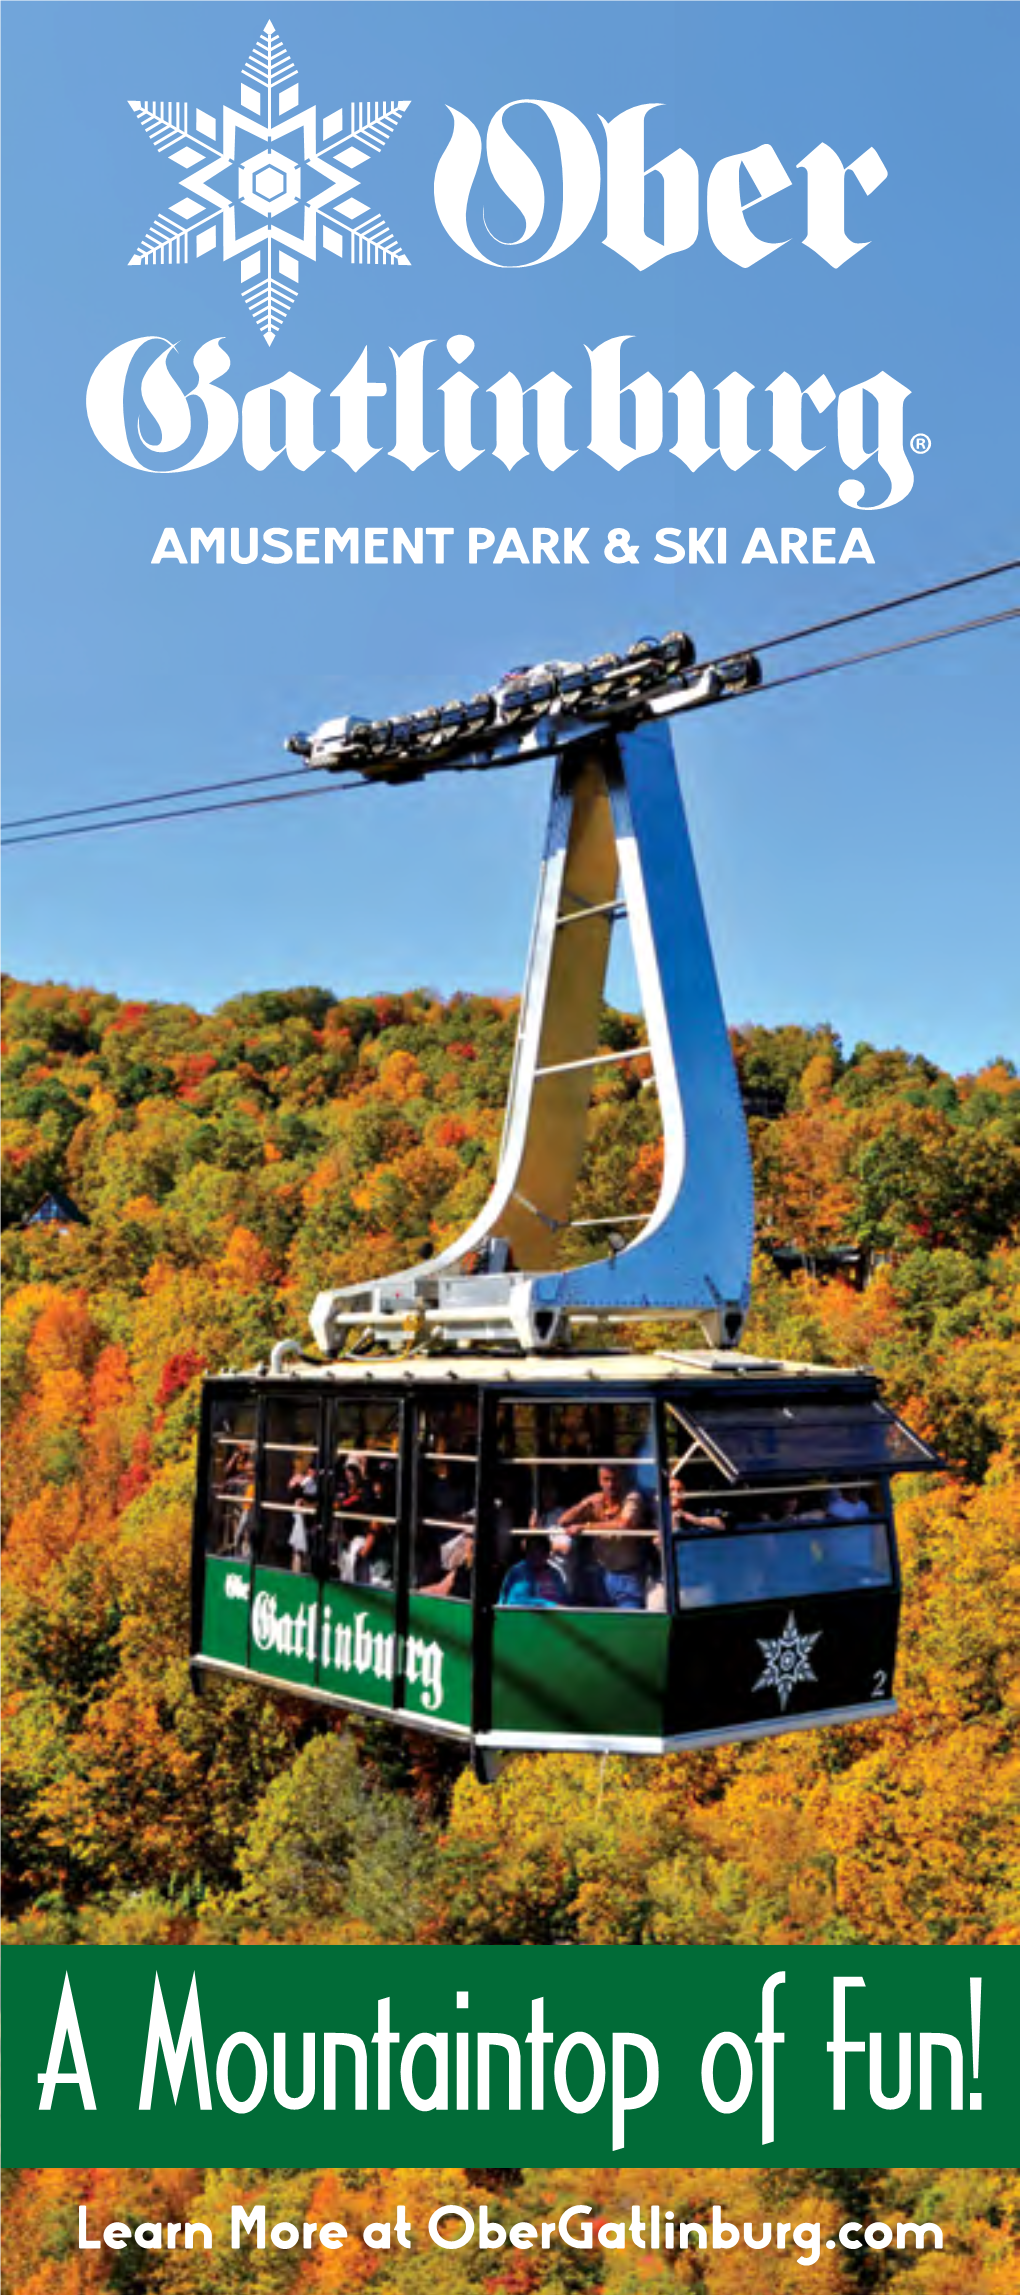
(117, 2056)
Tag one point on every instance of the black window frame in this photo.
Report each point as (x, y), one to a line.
(334, 1402)
(424, 1401)
(207, 1498)
(309, 1401)
(705, 1417)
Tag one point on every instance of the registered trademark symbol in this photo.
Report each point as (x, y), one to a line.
(920, 442)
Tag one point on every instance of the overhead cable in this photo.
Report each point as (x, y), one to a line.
(133, 813)
(184, 813)
(157, 797)
(885, 606)
(876, 652)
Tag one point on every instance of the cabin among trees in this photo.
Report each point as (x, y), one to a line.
(55, 1210)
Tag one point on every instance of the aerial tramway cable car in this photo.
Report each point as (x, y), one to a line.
(454, 1518)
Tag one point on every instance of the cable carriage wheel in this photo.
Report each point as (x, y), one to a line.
(474, 1530)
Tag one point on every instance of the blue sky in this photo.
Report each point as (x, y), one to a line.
(857, 835)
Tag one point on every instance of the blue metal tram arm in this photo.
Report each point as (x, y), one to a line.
(617, 821)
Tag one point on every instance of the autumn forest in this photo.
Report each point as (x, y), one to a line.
(215, 1171)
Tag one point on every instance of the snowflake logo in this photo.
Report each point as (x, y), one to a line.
(267, 185)
(787, 1661)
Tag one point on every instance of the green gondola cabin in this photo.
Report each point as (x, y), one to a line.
(628, 1553)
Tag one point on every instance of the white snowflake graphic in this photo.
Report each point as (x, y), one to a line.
(240, 176)
(787, 1661)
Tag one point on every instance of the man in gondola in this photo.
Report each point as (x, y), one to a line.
(622, 1559)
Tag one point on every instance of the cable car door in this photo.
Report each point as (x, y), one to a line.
(224, 1527)
(284, 1603)
(443, 1471)
(319, 1521)
(359, 1550)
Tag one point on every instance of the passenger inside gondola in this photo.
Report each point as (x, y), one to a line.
(809, 1509)
(447, 1492)
(350, 1496)
(375, 1562)
(859, 1536)
(538, 1581)
(848, 1506)
(367, 1556)
(548, 1513)
(623, 1558)
(349, 1506)
(453, 1568)
(302, 1491)
(237, 1494)
(690, 1512)
(443, 1529)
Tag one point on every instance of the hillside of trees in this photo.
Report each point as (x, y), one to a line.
(227, 1165)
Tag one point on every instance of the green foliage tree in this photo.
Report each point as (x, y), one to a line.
(321, 1840)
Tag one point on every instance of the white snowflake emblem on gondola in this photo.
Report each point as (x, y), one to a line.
(241, 175)
(787, 1661)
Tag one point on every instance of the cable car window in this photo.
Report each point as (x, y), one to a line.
(290, 1486)
(577, 1506)
(700, 1498)
(775, 1564)
(443, 1525)
(833, 1437)
(231, 1509)
(362, 1534)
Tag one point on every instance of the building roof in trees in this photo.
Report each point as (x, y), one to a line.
(55, 1210)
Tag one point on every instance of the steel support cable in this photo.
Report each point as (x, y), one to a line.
(291, 772)
(157, 797)
(885, 606)
(185, 813)
(344, 788)
(876, 653)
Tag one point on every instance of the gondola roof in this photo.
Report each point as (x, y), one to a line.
(609, 1368)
